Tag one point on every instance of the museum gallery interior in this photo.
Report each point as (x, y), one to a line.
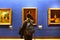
(45, 13)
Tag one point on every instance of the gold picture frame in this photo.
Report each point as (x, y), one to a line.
(54, 16)
(5, 16)
(33, 13)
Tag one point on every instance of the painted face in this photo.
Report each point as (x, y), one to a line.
(55, 16)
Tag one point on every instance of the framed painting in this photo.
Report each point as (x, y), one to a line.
(5, 16)
(32, 11)
(54, 16)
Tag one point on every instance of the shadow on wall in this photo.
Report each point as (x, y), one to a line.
(4, 26)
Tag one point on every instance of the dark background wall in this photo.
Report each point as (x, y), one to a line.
(42, 6)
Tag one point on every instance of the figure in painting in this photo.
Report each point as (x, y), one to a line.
(4, 17)
(55, 19)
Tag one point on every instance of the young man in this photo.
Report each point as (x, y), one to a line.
(27, 29)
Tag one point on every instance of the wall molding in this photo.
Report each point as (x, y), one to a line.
(40, 37)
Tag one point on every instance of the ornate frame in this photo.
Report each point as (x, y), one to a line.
(33, 11)
(53, 16)
(5, 16)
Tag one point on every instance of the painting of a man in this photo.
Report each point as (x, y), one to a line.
(30, 11)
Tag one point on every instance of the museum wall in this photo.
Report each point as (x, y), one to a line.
(42, 6)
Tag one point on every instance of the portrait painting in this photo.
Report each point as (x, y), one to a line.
(31, 11)
(54, 16)
(5, 16)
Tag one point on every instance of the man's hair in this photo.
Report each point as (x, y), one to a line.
(28, 11)
(29, 16)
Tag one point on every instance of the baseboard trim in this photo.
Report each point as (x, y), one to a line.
(40, 37)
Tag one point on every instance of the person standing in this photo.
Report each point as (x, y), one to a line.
(27, 28)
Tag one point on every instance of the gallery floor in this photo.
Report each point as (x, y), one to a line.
(33, 39)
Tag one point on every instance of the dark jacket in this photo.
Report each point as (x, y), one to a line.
(22, 29)
(26, 31)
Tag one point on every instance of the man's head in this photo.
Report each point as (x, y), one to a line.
(29, 17)
(28, 12)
